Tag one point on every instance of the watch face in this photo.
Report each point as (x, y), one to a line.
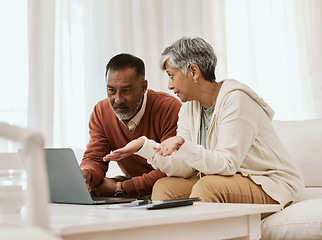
(119, 194)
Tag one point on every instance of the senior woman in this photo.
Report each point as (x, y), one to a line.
(224, 134)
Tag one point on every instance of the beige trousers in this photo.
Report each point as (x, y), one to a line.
(212, 188)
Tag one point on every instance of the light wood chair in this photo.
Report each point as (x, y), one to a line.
(36, 223)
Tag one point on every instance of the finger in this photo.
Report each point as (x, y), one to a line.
(164, 153)
(160, 152)
(109, 158)
(113, 158)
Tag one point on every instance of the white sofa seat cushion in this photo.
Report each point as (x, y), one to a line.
(300, 221)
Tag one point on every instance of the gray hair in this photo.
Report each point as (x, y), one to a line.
(187, 51)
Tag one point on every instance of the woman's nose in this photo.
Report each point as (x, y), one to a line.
(170, 84)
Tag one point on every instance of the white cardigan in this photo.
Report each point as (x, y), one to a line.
(240, 139)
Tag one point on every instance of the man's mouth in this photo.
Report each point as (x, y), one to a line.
(120, 108)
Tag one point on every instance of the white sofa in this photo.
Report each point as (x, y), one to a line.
(301, 220)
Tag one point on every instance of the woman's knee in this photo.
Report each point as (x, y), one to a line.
(212, 188)
(205, 189)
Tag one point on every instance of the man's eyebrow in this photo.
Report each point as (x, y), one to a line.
(127, 86)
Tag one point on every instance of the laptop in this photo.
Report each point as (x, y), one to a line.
(66, 182)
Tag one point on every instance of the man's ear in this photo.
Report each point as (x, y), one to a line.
(144, 85)
(195, 71)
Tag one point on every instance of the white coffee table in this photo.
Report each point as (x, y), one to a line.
(200, 221)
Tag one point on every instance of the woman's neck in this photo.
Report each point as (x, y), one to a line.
(208, 93)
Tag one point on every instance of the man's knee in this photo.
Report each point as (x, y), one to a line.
(173, 188)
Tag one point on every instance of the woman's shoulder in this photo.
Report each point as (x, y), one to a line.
(190, 108)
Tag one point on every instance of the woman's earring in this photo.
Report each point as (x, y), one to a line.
(195, 80)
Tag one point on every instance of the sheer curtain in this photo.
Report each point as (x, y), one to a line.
(41, 26)
(273, 46)
(13, 66)
(309, 43)
(89, 33)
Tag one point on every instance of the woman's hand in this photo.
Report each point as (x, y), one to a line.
(126, 151)
(168, 146)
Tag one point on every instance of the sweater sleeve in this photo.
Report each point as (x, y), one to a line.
(142, 185)
(96, 149)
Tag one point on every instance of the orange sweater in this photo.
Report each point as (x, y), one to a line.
(108, 133)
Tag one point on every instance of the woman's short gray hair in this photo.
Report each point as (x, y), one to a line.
(187, 51)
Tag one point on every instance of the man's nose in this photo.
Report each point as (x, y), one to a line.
(119, 98)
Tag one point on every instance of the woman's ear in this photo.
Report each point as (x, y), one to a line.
(195, 71)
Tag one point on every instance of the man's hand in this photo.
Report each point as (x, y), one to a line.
(87, 177)
(126, 151)
(106, 188)
(168, 146)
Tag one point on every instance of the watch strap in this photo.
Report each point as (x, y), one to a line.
(118, 190)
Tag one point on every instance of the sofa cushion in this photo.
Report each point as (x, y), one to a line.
(303, 140)
(302, 220)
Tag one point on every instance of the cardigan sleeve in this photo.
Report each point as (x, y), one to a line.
(171, 165)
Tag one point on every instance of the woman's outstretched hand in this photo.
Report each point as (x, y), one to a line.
(168, 146)
(126, 151)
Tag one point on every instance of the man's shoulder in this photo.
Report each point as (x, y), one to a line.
(102, 103)
(158, 97)
(103, 107)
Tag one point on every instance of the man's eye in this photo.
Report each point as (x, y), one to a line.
(171, 76)
(111, 91)
(126, 90)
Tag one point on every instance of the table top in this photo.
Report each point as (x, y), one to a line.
(66, 219)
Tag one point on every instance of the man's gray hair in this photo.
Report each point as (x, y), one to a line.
(187, 51)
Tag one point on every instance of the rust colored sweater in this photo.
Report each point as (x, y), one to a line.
(108, 133)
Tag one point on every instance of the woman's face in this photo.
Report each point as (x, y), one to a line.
(180, 83)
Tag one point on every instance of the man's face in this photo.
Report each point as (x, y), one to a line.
(125, 92)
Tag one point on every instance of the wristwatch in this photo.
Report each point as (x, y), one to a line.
(118, 190)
